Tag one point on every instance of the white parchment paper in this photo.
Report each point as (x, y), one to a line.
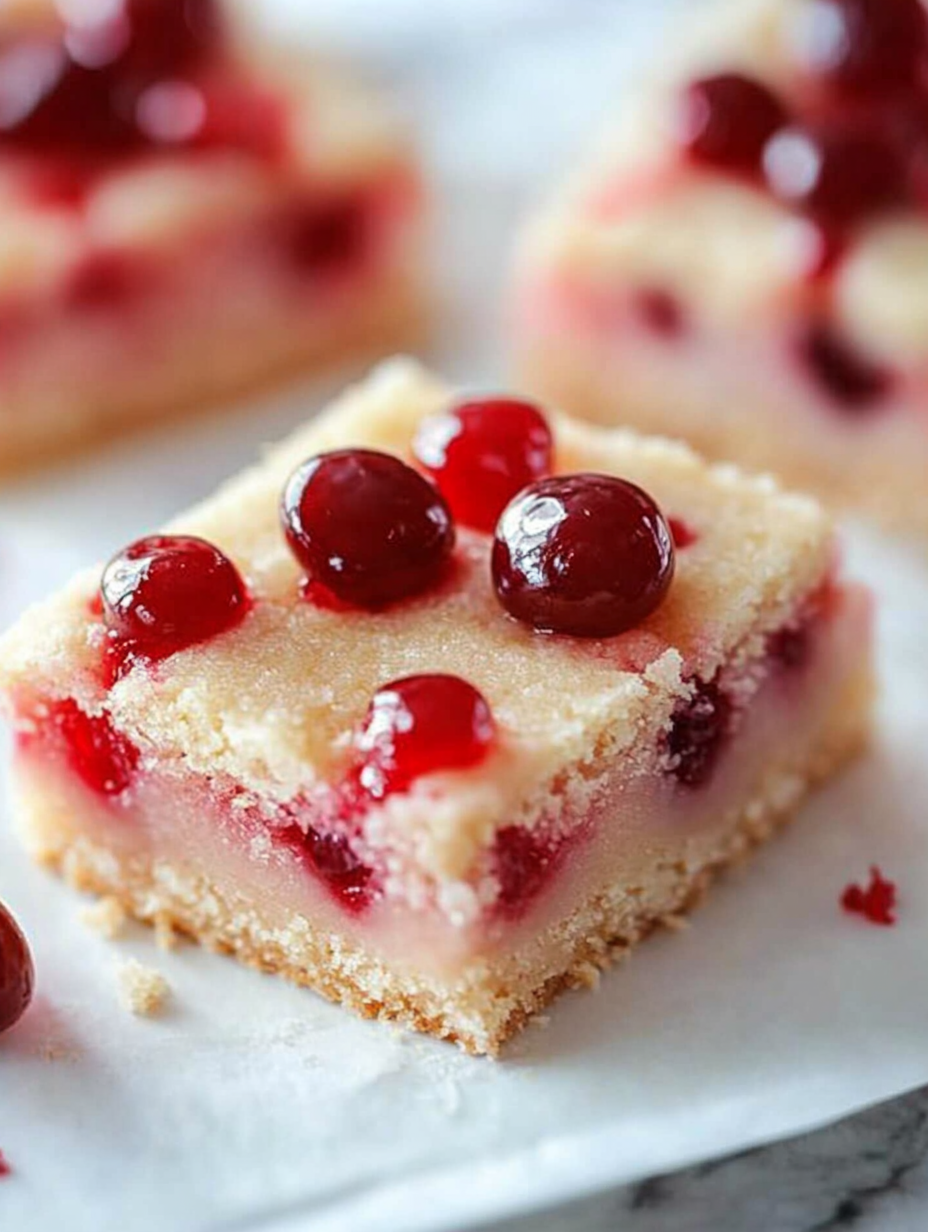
(252, 1105)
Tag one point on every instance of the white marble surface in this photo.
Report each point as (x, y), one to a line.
(869, 1173)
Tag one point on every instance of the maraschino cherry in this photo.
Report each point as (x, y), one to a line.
(481, 452)
(167, 592)
(366, 527)
(420, 725)
(861, 47)
(17, 974)
(725, 121)
(589, 555)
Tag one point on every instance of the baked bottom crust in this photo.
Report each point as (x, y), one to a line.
(493, 997)
(215, 371)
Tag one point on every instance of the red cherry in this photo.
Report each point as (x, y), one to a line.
(167, 592)
(523, 863)
(97, 40)
(171, 113)
(178, 114)
(862, 47)
(237, 115)
(103, 281)
(905, 124)
(77, 93)
(589, 555)
(482, 452)
(661, 312)
(725, 121)
(876, 902)
(420, 725)
(323, 236)
(17, 975)
(698, 731)
(331, 858)
(366, 526)
(682, 533)
(169, 37)
(850, 380)
(835, 175)
(98, 754)
(49, 102)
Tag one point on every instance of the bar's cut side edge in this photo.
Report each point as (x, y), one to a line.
(492, 1001)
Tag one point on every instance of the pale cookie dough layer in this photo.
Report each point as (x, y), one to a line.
(605, 820)
(737, 395)
(247, 346)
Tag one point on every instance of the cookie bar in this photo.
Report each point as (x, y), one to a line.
(441, 707)
(184, 217)
(741, 262)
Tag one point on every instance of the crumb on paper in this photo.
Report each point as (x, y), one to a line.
(5, 1169)
(54, 1050)
(876, 902)
(589, 976)
(165, 933)
(142, 990)
(107, 917)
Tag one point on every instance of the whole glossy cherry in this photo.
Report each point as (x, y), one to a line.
(838, 176)
(169, 38)
(366, 527)
(726, 120)
(51, 103)
(17, 975)
(164, 593)
(861, 47)
(589, 555)
(481, 452)
(420, 725)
